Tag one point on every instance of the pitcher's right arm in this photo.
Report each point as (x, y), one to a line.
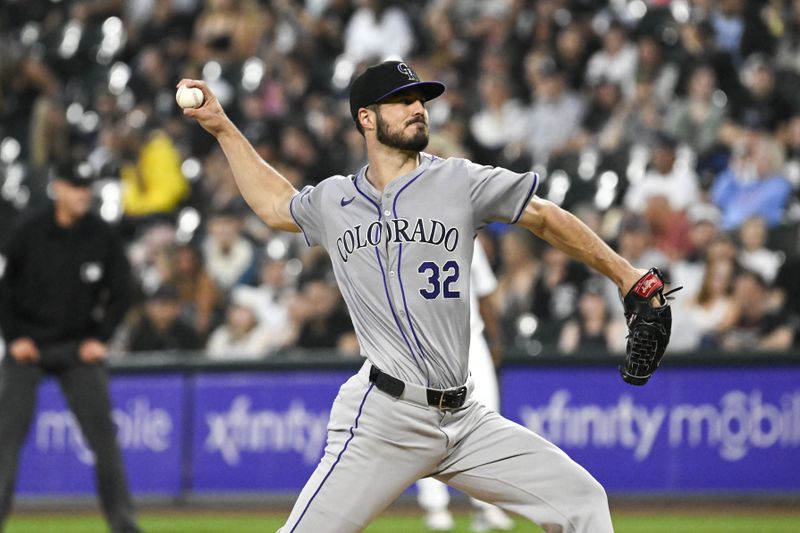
(264, 189)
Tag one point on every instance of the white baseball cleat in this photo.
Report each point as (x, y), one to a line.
(491, 519)
(439, 521)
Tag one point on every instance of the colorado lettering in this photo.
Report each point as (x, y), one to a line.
(396, 231)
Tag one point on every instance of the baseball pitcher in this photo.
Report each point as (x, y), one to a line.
(400, 235)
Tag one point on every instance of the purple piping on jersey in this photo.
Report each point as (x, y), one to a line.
(362, 193)
(400, 279)
(422, 352)
(534, 185)
(386, 286)
(344, 448)
(291, 212)
(394, 314)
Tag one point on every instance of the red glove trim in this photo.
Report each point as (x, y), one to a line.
(648, 285)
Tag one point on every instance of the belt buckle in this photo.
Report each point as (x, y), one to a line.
(458, 394)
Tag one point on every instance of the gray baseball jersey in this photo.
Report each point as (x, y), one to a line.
(402, 257)
(402, 260)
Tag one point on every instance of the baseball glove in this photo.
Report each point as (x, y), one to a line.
(649, 327)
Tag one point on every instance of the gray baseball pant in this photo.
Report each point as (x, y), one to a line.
(379, 445)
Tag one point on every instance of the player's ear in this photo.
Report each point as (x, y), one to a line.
(366, 117)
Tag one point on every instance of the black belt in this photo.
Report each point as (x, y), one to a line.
(443, 399)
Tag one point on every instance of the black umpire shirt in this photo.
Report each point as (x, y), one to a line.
(62, 284)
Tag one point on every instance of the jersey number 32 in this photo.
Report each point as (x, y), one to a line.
(436, 284)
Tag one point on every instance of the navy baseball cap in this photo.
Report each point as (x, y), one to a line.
(77, 174)
(385, 79)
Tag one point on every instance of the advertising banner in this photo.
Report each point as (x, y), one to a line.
(692, 429)
(149, 414)
(260, 431)
(689, 429)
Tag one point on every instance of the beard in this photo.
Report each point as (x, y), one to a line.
(415, 142)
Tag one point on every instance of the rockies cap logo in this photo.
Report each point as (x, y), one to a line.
(405, 69)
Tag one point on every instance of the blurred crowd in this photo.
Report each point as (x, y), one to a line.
(672, 128)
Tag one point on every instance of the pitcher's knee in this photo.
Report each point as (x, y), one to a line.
(595, 495)
(591, 512)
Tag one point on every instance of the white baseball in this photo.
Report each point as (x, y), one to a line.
(189, 97)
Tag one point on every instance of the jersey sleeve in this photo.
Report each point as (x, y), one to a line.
(497, 194)
(306, 210)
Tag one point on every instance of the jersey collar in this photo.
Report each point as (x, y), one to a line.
(364, 184)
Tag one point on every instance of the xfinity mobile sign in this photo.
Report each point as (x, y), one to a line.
(148, 412)
(694, 428)
(257, 432)
(716, 429)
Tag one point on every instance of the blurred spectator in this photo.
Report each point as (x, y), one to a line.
(635, 243)
(321, 319)
(739, 29)
(615, 61)
(787, 55)
(763, 105)
(752, 183)
(555, 114)
(49, 136)
(676, 182)
(696, 119)
(755, 324)
(555, 293)
(167, 23)
(723, 247)
(150, 170)
(377, 30)
(668, 226)
(145, 253)
(571, 54)
(518, 273)
(639, 122)
(274, 294)
(291, 86)
(218, 187)
(159, 327)
(652, 65)
(689, 271)
(705, 219)
(754, 254)
(700, 318)
(787, 284)
(24, 79)
(791, 143)
(328, 28)
(241, 336)
(298, 148)
(230, 257)
(592, 329)
(498, 121)
(227, 30)
(696, 49)
(199, 297)
(445, 45)
(152, 79)
(332, 154)
(599, 125)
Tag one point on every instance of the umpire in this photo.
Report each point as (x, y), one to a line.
(64, 287)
